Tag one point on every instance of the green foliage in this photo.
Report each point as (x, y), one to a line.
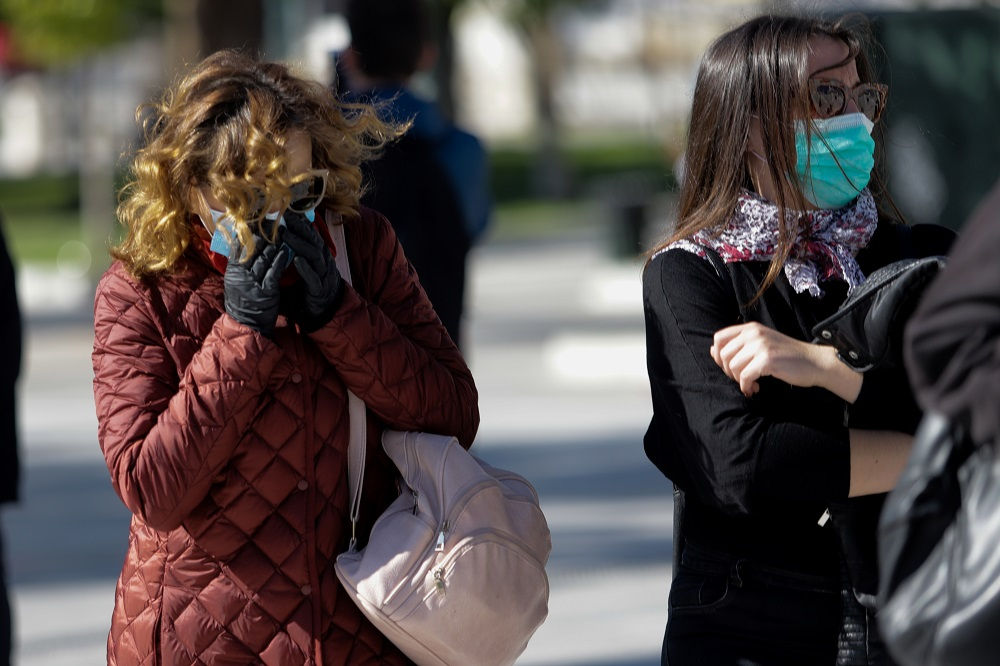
(535, 12)
(53, 32)
(40, 214)
(515, 169)
(37, 237)
(58, 193)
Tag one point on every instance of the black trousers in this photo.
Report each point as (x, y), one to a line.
(5, 616)
(730, 612)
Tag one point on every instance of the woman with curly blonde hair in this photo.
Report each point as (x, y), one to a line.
(225, 342)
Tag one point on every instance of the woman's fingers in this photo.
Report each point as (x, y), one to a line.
(742, 357)
(304, 245)
(730, 341)
(747, 352)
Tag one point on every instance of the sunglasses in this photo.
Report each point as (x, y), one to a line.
(829, 98)
(308, 190)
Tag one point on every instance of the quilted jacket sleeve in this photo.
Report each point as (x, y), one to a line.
(390, 348)
(166, 434)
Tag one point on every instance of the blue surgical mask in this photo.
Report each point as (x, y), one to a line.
(836, 162)
(223, 229)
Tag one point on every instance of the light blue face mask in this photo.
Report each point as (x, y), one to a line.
(223, 229)
(836, 163)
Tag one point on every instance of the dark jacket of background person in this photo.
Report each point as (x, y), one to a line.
(412, 185)
(953, 341)
(233, 553)
(10, 367)
(433, 184)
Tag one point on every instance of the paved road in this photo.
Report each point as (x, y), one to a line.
(555, 343)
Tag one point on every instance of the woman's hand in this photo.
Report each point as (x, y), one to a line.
(747, 352)
(251, 286)
(318, 270)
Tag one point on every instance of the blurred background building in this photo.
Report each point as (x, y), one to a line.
(565, 92)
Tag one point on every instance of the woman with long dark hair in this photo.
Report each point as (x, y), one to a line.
(781, 215)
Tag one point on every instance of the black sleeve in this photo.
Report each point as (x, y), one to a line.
(952, 344)
(705, 435)
(10, 367)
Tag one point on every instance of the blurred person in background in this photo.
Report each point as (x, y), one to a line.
(781, 216)
(433, 184)
(10, 368)
(225, 341)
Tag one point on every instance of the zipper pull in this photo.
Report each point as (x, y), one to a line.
(439, 579)
(824, 518)
(439, 547)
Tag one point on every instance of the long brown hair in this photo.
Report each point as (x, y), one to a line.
(757, 70)
(226, 125)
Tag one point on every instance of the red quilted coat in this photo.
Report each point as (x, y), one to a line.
(230, 450)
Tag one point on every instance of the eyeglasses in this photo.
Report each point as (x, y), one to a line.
(308, 190)
(829, 98)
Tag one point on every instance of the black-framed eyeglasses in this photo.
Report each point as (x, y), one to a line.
(829, 98)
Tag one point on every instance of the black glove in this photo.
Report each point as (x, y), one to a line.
(251, 286)
(318, 270)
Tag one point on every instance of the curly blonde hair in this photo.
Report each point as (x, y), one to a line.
(226, 126)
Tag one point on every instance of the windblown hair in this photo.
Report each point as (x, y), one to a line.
(759, 69)
(226, 125)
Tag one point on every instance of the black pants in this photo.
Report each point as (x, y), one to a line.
(5, 619)
(729, 612)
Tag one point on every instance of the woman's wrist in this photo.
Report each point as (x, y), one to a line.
(838, 377)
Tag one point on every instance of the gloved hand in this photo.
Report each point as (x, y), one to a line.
(251, 286)
(318, 270)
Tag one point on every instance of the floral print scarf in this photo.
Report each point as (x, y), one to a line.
(824, 247)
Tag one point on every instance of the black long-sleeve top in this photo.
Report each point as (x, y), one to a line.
(759, 472)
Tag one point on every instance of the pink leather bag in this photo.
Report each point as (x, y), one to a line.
(454, 570)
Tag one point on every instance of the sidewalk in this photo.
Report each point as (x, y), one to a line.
(556, 346)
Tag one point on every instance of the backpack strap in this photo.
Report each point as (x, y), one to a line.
(355, 406)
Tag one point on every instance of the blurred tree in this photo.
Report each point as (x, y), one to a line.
(54, 32)
(74, 33)
(197, 28)
(535, 20)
